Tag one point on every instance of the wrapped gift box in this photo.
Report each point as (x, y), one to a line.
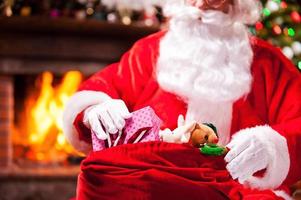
(143, 126)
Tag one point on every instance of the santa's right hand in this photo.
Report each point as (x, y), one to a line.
(107, 117)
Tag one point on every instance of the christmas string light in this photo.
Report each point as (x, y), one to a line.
(296, 46)
(272, 6)
(266, 12)
(291, 32)
(258, 26)
(283, 5)
(277, 30)
(296, 17)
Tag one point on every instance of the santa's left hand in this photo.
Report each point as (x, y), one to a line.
(248, 154)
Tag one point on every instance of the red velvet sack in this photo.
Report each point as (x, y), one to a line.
(157, 170)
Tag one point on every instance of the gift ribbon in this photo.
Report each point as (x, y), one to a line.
(139, 134)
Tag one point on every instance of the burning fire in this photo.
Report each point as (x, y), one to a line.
(43, 119)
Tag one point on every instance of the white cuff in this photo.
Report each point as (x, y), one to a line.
(282, 194)
(279, 160)
(76, 104)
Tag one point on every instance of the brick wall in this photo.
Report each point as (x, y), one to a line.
(6, 120)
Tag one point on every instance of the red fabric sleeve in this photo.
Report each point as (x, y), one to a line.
(286, 115)
(124, 80)
(283, 99)
(85, 133)
(127, 79)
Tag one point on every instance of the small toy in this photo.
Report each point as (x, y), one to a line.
(205, 133)
(205, 137)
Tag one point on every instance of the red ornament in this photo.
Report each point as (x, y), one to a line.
(258, 26)
(277, 30)
(283, 5)
(296, 17)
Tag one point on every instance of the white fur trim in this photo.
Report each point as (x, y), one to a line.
(283, 194)
(76, 104)
(279, 160)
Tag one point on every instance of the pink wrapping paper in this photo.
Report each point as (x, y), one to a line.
(143, 126)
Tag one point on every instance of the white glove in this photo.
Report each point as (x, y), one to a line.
(248, 154)
(179, 135)
(107, 117)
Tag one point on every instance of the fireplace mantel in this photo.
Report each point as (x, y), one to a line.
(36, 44)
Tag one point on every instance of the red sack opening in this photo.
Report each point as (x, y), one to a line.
(157, 170)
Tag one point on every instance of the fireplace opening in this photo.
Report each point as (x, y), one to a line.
(37, 135)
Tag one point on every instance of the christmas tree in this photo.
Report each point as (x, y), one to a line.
(281, 26)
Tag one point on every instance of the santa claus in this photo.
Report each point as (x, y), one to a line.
(208, 68)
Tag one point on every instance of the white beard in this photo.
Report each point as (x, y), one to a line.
(206, 63)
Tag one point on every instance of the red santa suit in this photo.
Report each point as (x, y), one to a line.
(273, 104)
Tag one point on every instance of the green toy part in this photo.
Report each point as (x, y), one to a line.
(213, 150)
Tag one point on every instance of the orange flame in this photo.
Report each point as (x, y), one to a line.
(44, 118)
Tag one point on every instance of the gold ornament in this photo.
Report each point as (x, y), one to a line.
(25, 11)
(7, 7)
(125, 15)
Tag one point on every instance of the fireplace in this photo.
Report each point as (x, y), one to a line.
(37, 136)
(42, 62)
